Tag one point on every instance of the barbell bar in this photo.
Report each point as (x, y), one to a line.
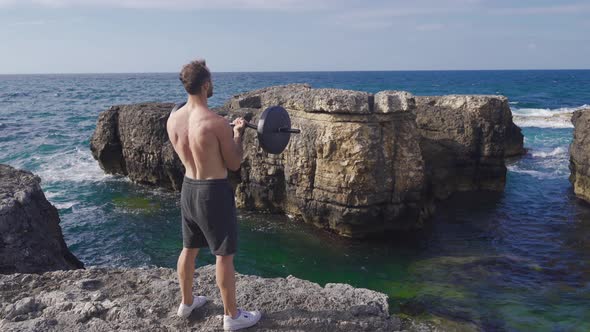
(273, 128)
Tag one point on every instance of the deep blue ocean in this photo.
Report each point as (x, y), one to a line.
(512, 261)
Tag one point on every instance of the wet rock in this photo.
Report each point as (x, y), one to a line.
(31, 240)
(580, 155)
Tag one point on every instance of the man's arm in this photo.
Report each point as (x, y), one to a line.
(232, 150)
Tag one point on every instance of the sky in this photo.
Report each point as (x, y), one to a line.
(110, 36)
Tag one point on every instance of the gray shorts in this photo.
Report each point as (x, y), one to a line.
(209, 219)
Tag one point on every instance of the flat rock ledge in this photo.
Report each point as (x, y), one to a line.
(31, 240)
(580, 155)
(100, 299)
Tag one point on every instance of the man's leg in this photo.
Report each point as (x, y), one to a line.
(226, 281)
(186, 272)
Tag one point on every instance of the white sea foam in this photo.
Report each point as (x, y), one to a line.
(52, 194)
(551, 168)
(544, 117)
(557, 152)
(65, 205)
(75, 165)
(543, 122)
(534, 173)
(59, 199)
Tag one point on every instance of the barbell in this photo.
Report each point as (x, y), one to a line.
(273, 129)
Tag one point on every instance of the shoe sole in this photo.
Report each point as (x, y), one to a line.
(240, 328)
(193, 309)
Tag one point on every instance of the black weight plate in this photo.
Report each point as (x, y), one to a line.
(269, 137)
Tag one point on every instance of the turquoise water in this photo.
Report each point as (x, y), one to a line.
(512, 261)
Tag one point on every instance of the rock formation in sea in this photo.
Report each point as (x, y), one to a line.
(356, 168)
(580, 155)
(31, 240)
(363, 163)
(132, 140)
(464, 140)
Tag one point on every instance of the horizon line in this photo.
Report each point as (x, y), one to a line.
(296, 71)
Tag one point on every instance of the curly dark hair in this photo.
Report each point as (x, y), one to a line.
(193, 75)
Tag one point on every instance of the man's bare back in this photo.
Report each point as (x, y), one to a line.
(204, 142)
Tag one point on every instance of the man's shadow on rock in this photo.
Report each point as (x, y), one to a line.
(199, 315)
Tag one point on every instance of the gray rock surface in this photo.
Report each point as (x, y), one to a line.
(580, 155)
(362, 164)
(464, 140)
(31, 240)
(147, 300)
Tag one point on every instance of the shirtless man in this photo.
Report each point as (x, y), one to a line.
(207, 148)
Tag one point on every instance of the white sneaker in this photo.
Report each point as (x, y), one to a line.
(245, 319)
(185, 310)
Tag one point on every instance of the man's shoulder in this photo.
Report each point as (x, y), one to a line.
(218, 121)
(171, 119)
(212, 123)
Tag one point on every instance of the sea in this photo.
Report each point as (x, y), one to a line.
(512, 261)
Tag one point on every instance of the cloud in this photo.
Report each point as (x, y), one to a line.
(532, 46)
(380, 10)
(377, 14)
(413, 7)
(35, 22)
(175, 4)
(345, 8)
(42, 22)
(7, 3)
(396, 8)
(398, 12)
(384, 15)
(574, 8)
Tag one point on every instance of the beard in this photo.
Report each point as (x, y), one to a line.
(210, 91)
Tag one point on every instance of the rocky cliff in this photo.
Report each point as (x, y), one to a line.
(30, 236)
(356, 168)
(464, 140)
(580, 155)
(132, 140)
(362, 164)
